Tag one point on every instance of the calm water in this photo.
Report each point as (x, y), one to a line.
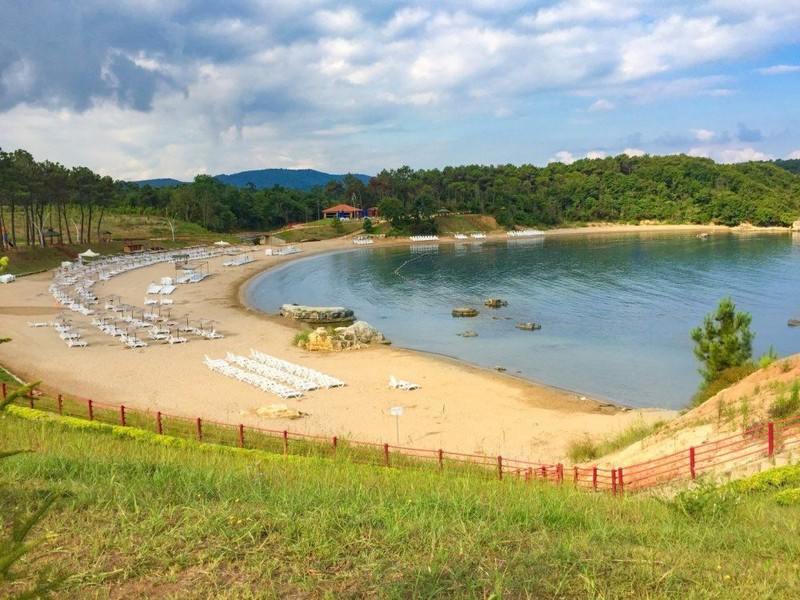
(616, 311)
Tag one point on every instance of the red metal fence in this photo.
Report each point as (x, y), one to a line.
(761, 441)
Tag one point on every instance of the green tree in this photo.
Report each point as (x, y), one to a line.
(724, 340)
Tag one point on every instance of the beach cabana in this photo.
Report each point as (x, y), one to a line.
(343, 211)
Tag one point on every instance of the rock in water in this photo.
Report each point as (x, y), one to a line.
(496, 302)
(528, 326)
(468, 334)
(465, 311)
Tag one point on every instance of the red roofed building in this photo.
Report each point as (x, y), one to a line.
(345, 211)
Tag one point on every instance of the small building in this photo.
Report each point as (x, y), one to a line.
(345, 211)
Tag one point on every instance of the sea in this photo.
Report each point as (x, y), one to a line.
(615, 310)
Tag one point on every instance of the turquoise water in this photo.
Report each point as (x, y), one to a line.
(615, 311)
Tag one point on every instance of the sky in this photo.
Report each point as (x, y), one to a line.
(139, 89)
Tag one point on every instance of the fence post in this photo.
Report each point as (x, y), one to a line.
(560, 473)
(158, 423)
(594, 478)
(575, 477)
(386, 455)
(620, 483)
(614, 481)
(30, 399)
(691, 462)
(771, 439)
(91, 409)
(241, 435)
(441, 460)
(60, 405)
(122, 415)
(499, 467)
(285, 442)
(199, 430)
(335, 443)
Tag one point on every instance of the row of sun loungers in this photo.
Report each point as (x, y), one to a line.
(321, 379)
(295, 381)
(66, 332)
(524, 233)
(424, 238)
(268, 385)
(237, 261)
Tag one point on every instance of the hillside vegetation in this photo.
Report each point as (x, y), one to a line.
(141, 516)
(36, 198)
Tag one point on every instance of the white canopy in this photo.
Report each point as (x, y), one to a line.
(89, 254)
(221, 243)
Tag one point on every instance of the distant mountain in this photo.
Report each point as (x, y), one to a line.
(300, 179)
(158, 183)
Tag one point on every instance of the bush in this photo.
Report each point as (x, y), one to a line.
(769, 357)
(706, 502)
(724, 380)
(789, 497)
(301, 338)
(786, 406)
(582, 450)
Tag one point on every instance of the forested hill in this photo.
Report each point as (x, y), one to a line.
(297, 179)
(621, 189)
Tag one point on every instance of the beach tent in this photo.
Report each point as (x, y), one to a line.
(89, 254)
(221, 243)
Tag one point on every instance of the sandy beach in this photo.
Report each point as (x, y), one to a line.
(458, 407)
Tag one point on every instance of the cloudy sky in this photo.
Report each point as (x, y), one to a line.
(171, 88)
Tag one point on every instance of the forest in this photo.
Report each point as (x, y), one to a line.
(41, 200)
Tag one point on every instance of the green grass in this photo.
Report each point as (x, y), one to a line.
(787, 404)
(727, 378)
(139, 519)
(586, 449)
(319, 230)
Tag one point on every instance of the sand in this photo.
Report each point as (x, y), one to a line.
(459, 407)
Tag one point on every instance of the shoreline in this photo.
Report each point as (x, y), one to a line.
(460, 407)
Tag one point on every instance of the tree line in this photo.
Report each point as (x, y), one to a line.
(41, 199)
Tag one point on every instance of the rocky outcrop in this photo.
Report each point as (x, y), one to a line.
(496, 303)
(528, 326)
(358, 335)
(317, 314)
(468, 333)
(465, 311)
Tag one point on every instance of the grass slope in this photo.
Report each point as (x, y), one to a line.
(140, 519)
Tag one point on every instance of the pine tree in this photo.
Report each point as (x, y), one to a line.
(724, 340)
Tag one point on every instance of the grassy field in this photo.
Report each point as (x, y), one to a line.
(138, 518)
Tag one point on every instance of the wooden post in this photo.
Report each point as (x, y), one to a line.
(594, 478)
(335, 443)
(620, 483)
(614, 481)
(91, 410)
(159, 429)
(199, 430)
(60, 405)
(122, 415)
(575, 477)
(441, 460)
(241, 435)
(386, 455)
(771, 439)
(30, 399)
(499, 467)
(691, 462)
(560, 473)
(285, 442)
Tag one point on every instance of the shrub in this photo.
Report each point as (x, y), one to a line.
(582, 450)
(786, 406)
(790, 497)
(706, 502)
(301, 338)
(724, 380)
(769, 357)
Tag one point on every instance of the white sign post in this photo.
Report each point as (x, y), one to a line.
(397, 412)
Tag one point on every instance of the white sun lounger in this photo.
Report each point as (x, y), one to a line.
(400, 384)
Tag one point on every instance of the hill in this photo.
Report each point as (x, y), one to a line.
(146, 516)
(298, 179)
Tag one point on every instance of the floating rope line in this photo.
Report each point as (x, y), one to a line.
(410, 260)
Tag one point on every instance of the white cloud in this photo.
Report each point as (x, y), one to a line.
(728, 155)
(794, 155)
(596, 154)
(602, 105)
(563, 156)
(339, 22)
(779, 70)
(405, 20)
(579, 11)
(703, 135)
(633, 152)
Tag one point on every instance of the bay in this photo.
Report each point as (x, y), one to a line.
(615, 309)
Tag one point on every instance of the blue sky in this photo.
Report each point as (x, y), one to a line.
(165, 88)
